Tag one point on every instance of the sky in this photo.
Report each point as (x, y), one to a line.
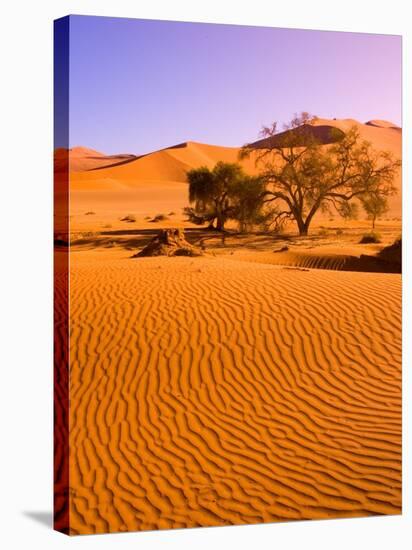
(140, 85)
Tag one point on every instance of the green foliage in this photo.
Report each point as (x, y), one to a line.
(304, 176)
(193, 216)
(223, 193)
(375, 205)
(246, 195)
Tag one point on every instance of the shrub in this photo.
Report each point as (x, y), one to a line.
(370, 238)
(130, 218)
(159, 218)
(392, 253)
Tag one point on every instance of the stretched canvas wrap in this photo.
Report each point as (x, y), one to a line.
(227, 275)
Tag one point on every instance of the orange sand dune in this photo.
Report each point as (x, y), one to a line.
(382, 135)
(211, 391)
(82, 158)
(382, 124)
(151, 172)
(169, 164)
(138, 185)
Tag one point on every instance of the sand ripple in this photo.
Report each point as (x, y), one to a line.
(213, 392)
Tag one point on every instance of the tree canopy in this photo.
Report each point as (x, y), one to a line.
(223, 193)
(303, 176)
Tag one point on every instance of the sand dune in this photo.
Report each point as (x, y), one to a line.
(169, 164)
(340, 257)
(331, 261)
(81, 158)
(249, 393)
(382, 135)
(243, 386)
(137, 185)
(152, 172)
(382, 124)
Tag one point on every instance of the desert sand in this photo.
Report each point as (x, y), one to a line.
(246, 385)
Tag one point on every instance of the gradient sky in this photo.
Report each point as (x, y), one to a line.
(138, 85)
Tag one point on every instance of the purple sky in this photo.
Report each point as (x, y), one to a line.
(139, 85)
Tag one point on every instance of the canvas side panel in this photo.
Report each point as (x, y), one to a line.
(61, 275)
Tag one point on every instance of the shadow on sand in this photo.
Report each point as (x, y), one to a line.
(388, 260)
(131, 239)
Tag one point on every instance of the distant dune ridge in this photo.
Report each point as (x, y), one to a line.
(82, 158)
(93, 171)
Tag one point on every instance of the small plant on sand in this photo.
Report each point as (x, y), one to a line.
(172, 213)
(130, 218)
(90, 213)
(147, 218)
(370, 238)
(159, 218)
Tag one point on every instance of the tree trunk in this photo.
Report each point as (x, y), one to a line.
(309, 218)
(303, 229)
(220, 220)
(220, 224)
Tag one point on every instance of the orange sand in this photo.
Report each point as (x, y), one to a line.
(225, 389)
(211, 391)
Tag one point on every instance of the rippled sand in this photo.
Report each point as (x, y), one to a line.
(211, 391)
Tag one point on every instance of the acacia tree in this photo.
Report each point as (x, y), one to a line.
(375, 205)
(304, 175)
(222, 193)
